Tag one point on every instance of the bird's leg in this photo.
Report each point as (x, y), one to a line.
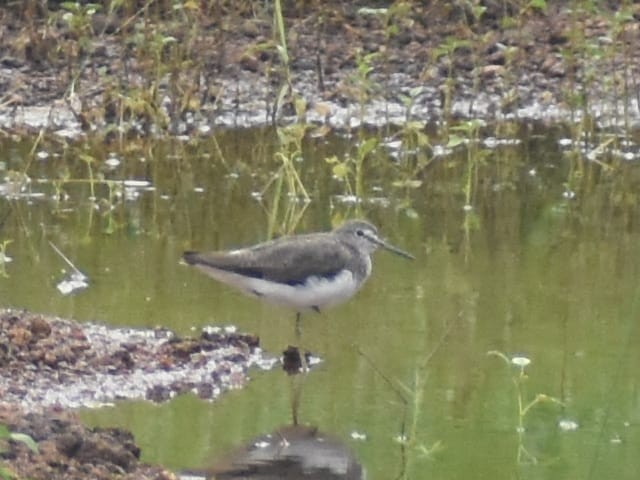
(296, 391)
(303, 357)
(298, 328)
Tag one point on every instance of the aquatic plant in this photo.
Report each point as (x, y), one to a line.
(79, 45)
(446, 51)
(525, 405)
(409, 440)
(411, 398)
(467, 134)
(4, 259)
(623, 83)
(350, 169)
(413, 157)
(359, 85)
(285, 183)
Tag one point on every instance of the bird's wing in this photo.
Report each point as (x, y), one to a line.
(286, 260)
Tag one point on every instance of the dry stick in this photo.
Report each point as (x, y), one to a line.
(398, 392)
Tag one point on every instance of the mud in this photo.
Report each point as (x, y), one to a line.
(49, 365)
(351, 65)
(68, 451)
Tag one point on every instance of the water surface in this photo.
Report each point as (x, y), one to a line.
(543, 263)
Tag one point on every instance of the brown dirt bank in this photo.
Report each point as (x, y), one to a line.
(49, 364)
(68, 451)
(149, 67)
(53, 362)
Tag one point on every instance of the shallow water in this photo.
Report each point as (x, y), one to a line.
(544, 264)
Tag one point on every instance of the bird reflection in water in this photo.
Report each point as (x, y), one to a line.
(291, 452)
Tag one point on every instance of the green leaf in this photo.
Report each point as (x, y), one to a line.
(4, 432)
(455, 140)
(85, 157)
(340, 170)
(415, 91)
(411, 213)
(423, 139)
(539, 4)
(26, 439)
(300, 106)
(478, 11)
(366, 147)
(71, 6)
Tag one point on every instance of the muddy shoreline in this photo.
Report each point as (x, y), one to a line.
(347, 65)
(67, 450)
(50, 365)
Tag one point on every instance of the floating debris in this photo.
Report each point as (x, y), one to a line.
(567, 425)
(16, 184)
(520, 361)
(441, 151)
(347, 199)
(113, 161)
(615, 440)
(493, 142)
(76, 279)
(143, 184)
(72, 284)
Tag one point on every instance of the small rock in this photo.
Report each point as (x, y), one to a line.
(20, 336)
(250, 63)
(491, 71)
(40, 328)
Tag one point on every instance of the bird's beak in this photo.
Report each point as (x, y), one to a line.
(387, 246)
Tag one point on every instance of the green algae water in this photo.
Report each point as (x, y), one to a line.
(520, 249)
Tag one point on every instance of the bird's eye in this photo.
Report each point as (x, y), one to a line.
(360, 233)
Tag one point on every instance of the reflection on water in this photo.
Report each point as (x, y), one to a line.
(290, 452)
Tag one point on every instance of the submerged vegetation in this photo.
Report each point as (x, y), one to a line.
(525, 406)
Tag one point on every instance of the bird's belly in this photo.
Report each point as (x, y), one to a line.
(315, 293)
(319, 292)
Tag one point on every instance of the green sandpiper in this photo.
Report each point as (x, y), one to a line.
(303, 272)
